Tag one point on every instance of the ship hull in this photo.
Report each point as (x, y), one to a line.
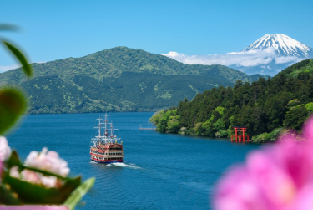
(107, 162)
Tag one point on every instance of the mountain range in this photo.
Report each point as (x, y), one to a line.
(268, 55)
(118, 79)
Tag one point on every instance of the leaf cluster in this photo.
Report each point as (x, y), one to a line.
(15, 191)
(12, 100)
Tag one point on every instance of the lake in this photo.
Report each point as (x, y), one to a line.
(161, 171)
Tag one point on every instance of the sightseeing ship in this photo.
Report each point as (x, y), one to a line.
(105, 147)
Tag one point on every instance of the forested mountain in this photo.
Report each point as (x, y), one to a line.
(266, 106)
(119, 79)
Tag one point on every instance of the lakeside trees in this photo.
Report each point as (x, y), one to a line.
(265, 106)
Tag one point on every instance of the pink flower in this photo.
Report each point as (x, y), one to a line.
(31, 176)
(14, 172)
(49, 181)
(48, 161)
(1, 168)
(45, 160)
(279, 177)
(5, 150)
(35, 177)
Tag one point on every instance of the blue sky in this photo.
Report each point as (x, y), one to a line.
(61, 29)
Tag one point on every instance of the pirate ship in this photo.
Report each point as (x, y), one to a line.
(106, 147)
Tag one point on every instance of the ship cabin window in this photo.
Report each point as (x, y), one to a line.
(115, 148)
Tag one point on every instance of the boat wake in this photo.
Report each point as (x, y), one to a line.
(124, 165)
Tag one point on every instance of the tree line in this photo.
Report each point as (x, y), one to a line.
(266, 107)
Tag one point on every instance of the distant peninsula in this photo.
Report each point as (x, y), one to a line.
(266, 107)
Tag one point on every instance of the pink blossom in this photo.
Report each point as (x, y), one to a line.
(1, 168)
(45, 160)
(48, 161)
(278, 177)
(31, 176)
(5, 150)
(14, 172)
(49, 181)
(35, 177)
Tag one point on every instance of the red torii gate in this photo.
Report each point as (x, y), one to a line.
(240, 137)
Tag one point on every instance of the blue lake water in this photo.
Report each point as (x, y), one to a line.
(160, 171)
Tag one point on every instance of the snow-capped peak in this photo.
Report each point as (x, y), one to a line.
(283, 45)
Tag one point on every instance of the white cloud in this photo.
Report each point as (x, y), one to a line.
(9, 67)
(14, 66)
(41, 62)
(245, 59)
(283, 59)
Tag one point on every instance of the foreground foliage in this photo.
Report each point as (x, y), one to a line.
(266, 107)
(43, 178)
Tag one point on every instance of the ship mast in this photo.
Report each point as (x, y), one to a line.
(104, 137)
(112, 136)
(105, 128)
(112, 131)
(99, 127)
(98, 137)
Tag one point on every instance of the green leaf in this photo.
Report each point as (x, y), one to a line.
(8, 197)
(13, 160)
(12, 105)
(77, 195)
(30, 193)
(8, 27)
(27, 68)
(70, 185)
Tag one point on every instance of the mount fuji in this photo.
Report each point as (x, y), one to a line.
(283, 45)
(278, 51)
(268, 55)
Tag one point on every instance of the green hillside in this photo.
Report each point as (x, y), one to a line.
(266, 107)
(118, 79)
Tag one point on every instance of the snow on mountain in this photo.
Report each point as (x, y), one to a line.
(283, 45)
(268, 55)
